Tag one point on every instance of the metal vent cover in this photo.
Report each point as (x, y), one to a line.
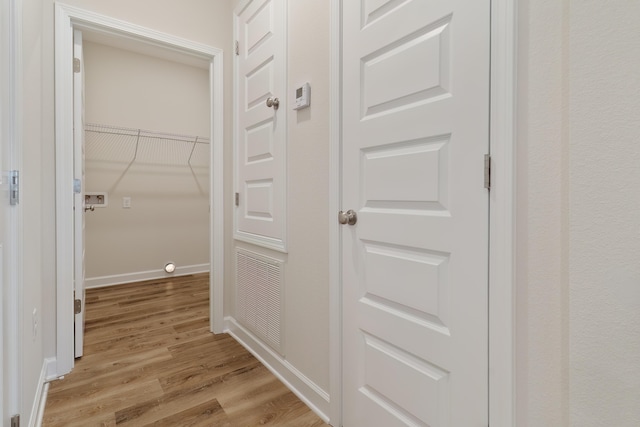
(259, 305)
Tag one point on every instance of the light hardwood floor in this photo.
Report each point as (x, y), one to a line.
(150, 360)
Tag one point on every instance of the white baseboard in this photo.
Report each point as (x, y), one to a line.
(312, 395)
(40, 398)
(118, 279)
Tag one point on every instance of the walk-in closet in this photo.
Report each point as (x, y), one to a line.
(146, 165)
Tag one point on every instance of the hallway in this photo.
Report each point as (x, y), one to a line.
(151, 360)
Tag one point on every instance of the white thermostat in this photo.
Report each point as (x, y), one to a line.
(303, 97)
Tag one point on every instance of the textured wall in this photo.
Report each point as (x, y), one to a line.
(578, 284)
(605, 213)
(542, 329)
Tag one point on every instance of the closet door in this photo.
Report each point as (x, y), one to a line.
(415, 250)
(260, 150)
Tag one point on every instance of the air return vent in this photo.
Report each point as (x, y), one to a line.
(259, 296)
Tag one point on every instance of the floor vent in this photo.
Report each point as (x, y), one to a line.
(259, 296)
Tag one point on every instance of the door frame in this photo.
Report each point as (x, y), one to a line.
(502, 355)
(67, 19)
(11, 264)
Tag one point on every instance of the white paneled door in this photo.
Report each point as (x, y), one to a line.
(415, 126)
(261, 122)
(78, 201)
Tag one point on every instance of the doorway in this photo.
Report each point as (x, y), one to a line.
(150, 42)
(146, 165)
(145, 186)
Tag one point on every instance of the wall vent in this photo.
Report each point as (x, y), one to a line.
(259, 296)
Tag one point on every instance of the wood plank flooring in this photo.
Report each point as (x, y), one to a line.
(150, 360)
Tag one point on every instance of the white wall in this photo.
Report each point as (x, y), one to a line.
(135, 90)
(36, 199)
(307, 293)
(578, 179)
(542, 328)
(604, 213)
(169, 215)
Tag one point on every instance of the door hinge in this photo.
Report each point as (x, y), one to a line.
(15, 421)
(76, 65)
(237, 199)
(237, 48)
(487, 171)
(14, 187)
(77, 306)
(77, 186)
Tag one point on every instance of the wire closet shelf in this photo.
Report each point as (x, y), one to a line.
(129, 145)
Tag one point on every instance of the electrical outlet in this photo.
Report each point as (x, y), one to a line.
(35, 323)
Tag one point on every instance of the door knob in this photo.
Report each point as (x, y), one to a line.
(348, 217)
(273, 102)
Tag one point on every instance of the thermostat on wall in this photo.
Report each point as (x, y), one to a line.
(303, 97)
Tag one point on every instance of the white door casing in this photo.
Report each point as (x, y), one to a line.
(260, 146)
(67, 19)
(415, 117)
(11, 264)
(78, 202)
(5, 36)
